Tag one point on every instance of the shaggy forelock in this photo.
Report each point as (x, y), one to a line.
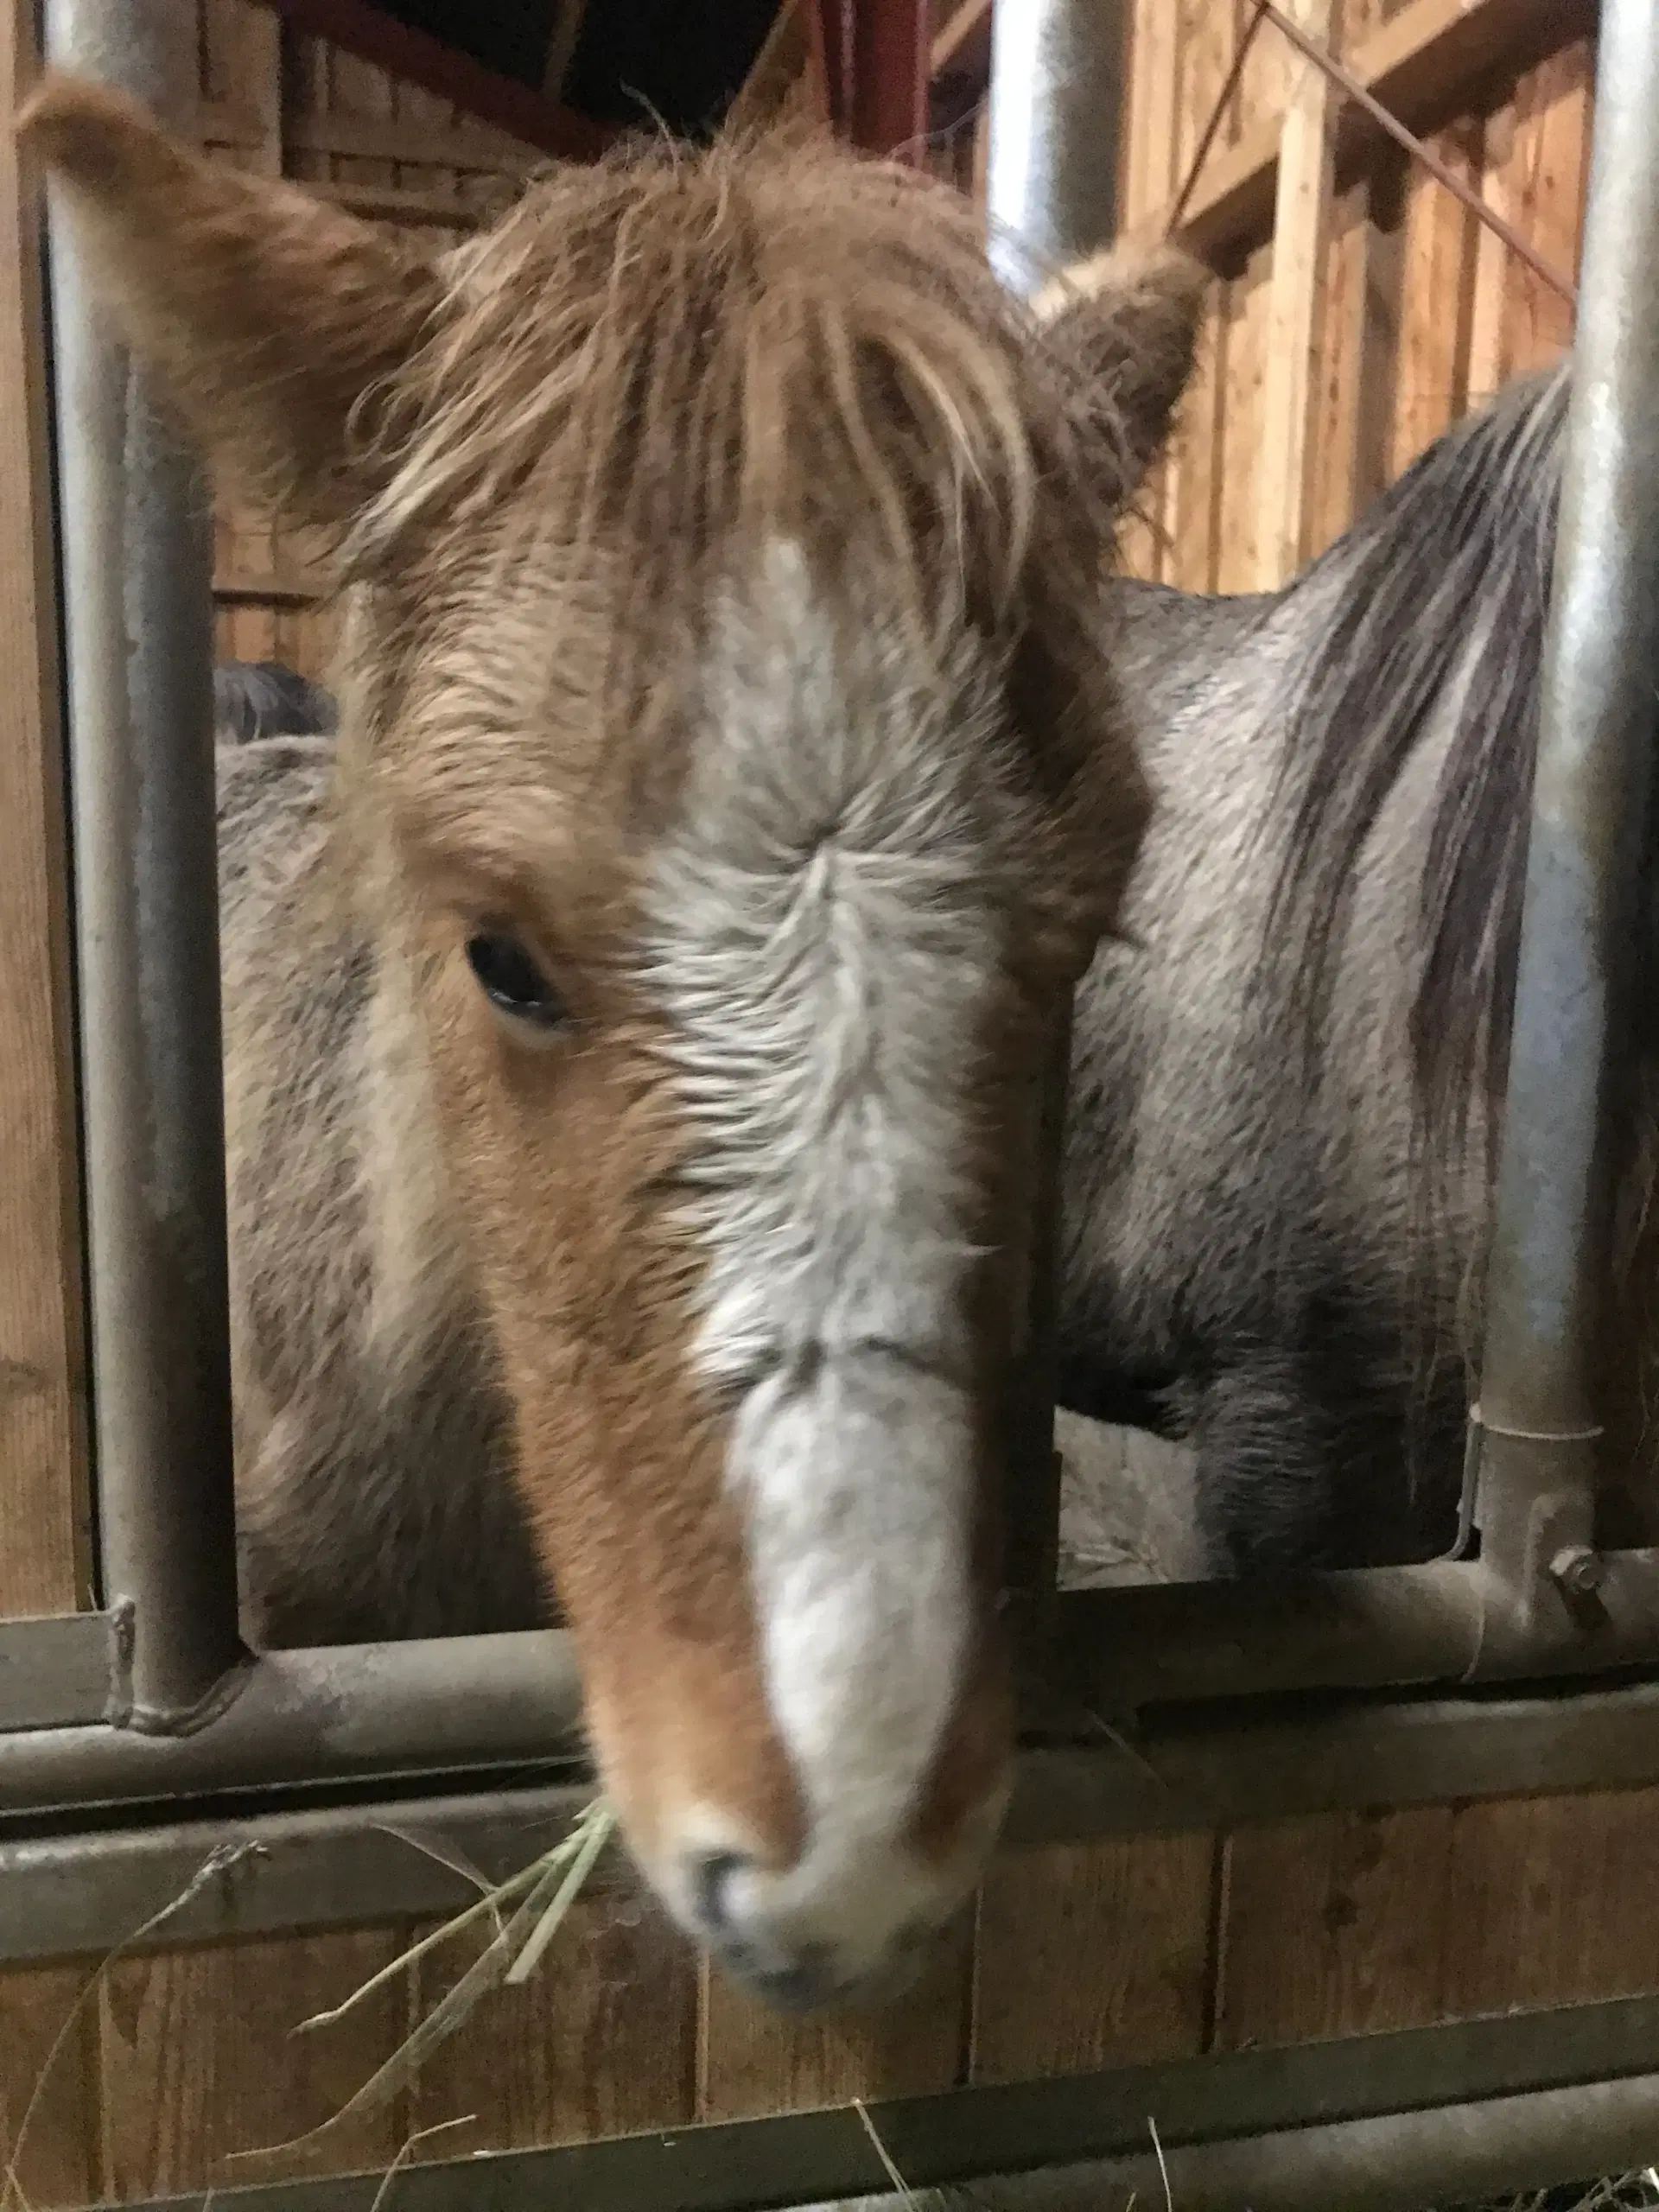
(671, 353)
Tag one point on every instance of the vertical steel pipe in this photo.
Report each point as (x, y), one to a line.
(136, 575)
(1548, 1271)
(1057, 89)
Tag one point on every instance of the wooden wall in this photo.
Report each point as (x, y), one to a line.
(287, 104)
(1081, 1956)
(1382, 310)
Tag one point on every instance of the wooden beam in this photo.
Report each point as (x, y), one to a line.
(392, 203)
(1300, 226)
(890, 77)
(42, 1377)
(381, 138)
(1424, 66)
(374, 36)
(278, 588)
(963, 41)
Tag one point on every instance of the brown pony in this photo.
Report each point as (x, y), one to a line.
(629, 1059)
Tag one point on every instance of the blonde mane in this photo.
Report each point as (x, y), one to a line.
(759, 340)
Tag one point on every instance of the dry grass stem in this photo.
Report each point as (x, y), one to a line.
(544, 1892)
(1163, 2168)
(420, 2135)
(218, 1861)
(906, 2195)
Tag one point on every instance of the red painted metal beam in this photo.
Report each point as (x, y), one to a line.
(364, 30)
(877, 63)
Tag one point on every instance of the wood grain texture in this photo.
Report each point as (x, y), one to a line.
(1353, 1923)
(1237, 555)
(1195, 461)
(1296, 301)
(753, 2060)
(1332, 1926)
(600, 2041)
(1437, 301)
(1544, 180)
(43, 1561)
(1547, 1902)
(1093, 1954)
(200, 2060)
(1329, 501)
(48, 2084)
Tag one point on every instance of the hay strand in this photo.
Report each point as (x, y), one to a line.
(1163, 2167)
(905, 2194)
(219, 1861)
(592, 1842)
(545, 1891)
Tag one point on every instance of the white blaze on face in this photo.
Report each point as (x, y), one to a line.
(827, 943)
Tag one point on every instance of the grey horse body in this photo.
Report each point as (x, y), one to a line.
(374, 1496)
(1278, 1153)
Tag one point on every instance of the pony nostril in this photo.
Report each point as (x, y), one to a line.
(711, 1879)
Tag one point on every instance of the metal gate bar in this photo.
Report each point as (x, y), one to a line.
(135, 556)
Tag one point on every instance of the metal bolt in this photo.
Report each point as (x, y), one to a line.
(1577, 1570)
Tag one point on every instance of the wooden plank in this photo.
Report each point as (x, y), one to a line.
(42, 1376)
(1093, 1954)
(237, 122)
(1547, 1902)
(964, 40)
(1333, 1926)
(240, 51)
(1237, 562)
(1489, 307)
(1301, 222)
(1355, 1923)
(1334, 435)
(752, 2059)
(600, 2041)
(1437, 304)
(1196, 460)
(1423, 65)
(1147, 168)
(200, 2060)
(48, 2085)
(1546, 177)
(1157, 90)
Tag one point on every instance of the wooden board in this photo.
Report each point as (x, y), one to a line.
(600, 2041)
(1354, 1923)
(1437, 301)
(1332, 1926)
(1239, 561)
(1093, 1954)
(1295, 303)
(48, 2078)
(42, 1377)
(753, 2060)
(200, 2060)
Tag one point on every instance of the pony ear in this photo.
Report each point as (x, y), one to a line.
(272, 320)
(1127, 322)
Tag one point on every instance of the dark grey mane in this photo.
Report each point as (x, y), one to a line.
(1438, 600)
(255, 699)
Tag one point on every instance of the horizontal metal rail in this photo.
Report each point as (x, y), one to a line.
(1471, 2099)
(66, 1891)
(358, 1709)
(363, 1711)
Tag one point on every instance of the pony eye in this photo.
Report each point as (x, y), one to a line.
(511, 980)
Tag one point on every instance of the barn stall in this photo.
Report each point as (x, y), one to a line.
(1275, 1874)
